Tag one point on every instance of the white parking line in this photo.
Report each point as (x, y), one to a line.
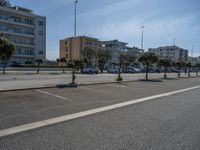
(60, 97)
(60, 119)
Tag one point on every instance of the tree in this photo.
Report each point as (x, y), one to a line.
(39, 61)
(88, 54)
(189, 65)
(75, 65)
(7, 50)
(123, 59)
(102, 56)
(62, 61)
(197, 69)
(148, 59)
(165, 63)
(179, 64)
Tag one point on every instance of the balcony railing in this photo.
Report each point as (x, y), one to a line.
(10, 31)
(17, 22)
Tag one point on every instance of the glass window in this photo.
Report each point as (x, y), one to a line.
(41, 23)
(3, 17)
(28, 21)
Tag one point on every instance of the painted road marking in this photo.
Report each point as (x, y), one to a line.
(60, 97)
(65, 118)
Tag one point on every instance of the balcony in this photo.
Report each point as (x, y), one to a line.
(11, 32)
(12, 22)
(25, 55)
(24, 45)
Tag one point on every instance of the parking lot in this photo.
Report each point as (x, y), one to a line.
(23, 107)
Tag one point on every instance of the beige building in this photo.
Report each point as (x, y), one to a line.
(71, 48)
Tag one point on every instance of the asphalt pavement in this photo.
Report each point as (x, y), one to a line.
(166, 123)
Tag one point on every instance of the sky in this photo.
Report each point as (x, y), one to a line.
(163, 20)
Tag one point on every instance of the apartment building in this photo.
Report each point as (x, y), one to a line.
(26, 30)
(71, 48)
(172, 52)
(115, 47)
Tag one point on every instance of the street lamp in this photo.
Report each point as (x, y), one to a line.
(76, 1)
(142, 39)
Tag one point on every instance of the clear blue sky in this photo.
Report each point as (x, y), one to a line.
(121, 19)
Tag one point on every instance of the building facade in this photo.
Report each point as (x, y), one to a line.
(72, 48)
(172, 52)
(26, 30)
(115, 47)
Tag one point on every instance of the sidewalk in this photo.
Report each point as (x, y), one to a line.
(17, 82)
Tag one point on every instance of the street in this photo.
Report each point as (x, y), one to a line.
(168, 122)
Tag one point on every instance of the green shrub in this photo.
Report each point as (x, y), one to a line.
(119, 79)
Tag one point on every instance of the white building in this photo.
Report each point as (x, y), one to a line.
(115, 47)
(26, 30)
(172, 52)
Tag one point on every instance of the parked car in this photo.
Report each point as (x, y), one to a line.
(90, 70)
(130, 69)
(113, 70)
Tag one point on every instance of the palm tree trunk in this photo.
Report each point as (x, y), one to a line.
(73, 76)
(4, 66)
(38, 70)
(147, 71)
(165, 74)
(189, 71)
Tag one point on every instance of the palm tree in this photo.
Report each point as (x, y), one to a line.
(39, 61)
(7, 50)
(189, 65)
(179, 65)
(62, 61)
(148, 59)
(75, 65)
(166, 63)
(102, 56)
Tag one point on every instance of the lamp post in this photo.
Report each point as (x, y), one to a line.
(142, 38)
(142, 42)
(76, 1)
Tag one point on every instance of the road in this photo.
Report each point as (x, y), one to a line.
(168, 122)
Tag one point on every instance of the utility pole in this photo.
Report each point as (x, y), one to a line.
(76, 1)
(142, 38)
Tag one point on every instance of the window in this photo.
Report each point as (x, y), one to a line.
(18, 51)
(16, 19)
(41, 23)
(41, 52)
(16, 30)
(3, 17)
(66, 42)
(28, 21)
(2, 27)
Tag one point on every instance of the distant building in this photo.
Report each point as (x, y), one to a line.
(137, 52)
(194, 60)
(71, 48)
(115, 47)
(172, 52)
(26, 30)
